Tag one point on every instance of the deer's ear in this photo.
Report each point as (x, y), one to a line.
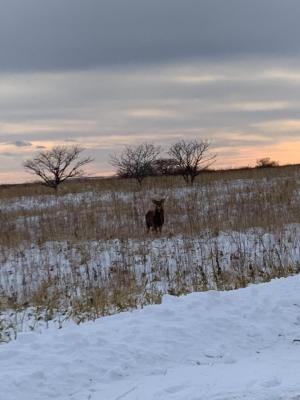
(154, 201)
(162, 200)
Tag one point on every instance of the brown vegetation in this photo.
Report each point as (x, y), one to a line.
(86, 252)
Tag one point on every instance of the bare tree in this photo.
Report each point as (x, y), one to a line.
(164, 166)
(191, 157)
(266, 162)
(57, 165)
(136, 161)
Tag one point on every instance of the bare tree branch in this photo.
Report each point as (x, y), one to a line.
(136, 161)
(191, 158)
(57, 165)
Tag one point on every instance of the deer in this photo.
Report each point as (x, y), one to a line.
(155, 218)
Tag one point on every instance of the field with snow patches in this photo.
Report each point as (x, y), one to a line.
(82, 261)
(85, 253)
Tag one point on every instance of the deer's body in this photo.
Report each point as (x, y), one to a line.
(155, 218)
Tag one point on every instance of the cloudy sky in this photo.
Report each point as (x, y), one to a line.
(105, 73)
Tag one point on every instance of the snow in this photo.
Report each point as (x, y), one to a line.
(25, 272)
(43, 202)
(30, 265)
(212, 345)
(220, 189)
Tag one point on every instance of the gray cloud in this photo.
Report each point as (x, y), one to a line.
(139, 103)
(236, 105)
(72, 34)
(21, 143)
(8, 154)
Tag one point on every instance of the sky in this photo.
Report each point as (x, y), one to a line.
(107, 73)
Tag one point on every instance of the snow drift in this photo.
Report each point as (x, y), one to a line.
(242, 344)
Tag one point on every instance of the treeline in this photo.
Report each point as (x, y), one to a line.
(187, 158)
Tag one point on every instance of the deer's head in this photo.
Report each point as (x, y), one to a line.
(159, 204)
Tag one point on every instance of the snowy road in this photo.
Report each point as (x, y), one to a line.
(242, 344)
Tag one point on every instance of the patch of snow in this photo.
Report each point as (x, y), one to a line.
(27, 267)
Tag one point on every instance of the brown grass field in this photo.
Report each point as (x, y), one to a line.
(84, 252)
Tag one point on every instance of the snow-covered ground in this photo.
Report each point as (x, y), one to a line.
(221, 190)
(24, 271)
(242, 344)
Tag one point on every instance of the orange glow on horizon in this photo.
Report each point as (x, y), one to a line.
(287, 152)
(284, 153)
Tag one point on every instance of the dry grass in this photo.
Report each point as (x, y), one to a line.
(85, 253)
(115, 208)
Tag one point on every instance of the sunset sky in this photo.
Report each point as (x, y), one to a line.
(105, 73)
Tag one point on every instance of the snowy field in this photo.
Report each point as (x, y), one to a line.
(85, 253)
(233, 345)
(31, 265)
(153, 266)
(67, 260)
